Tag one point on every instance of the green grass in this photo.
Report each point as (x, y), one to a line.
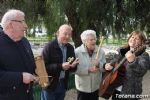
(108, 41)
(116, 41)
(38, 39)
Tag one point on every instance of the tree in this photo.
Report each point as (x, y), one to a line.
(118, 17)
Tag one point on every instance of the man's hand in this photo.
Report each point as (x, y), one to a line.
(27, 78)
(66, 65)
(76, 61)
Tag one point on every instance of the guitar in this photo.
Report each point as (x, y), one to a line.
(109, 78)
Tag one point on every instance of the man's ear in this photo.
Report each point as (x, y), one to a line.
(10, 25)
(57, 33)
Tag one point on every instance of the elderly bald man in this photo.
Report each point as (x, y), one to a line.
(55, 56)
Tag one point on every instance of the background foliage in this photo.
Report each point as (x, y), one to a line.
(116, 17)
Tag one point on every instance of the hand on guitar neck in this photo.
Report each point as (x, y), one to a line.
(130, 56)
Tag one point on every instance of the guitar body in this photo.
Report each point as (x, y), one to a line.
(114, 75)
(106, 82)
(104, 85)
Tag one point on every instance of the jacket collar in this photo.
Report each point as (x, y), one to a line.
(8, 38)
(83, 49)
(57, 44)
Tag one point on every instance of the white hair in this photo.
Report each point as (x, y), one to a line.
(65, 26)
(10, 15)
(86, 33)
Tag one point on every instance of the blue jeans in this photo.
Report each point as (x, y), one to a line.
(57, 94)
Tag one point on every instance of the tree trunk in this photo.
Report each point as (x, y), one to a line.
(70, 11)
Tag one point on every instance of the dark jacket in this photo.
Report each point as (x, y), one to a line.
(15, 58)
(135, 71)
(53, 58)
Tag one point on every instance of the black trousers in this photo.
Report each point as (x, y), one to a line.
(87, 96)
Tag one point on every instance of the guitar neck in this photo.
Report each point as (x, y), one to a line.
(119, 65)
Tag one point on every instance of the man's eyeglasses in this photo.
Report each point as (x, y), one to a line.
(20, 21)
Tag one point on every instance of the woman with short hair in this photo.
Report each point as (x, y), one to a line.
(89, 70)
